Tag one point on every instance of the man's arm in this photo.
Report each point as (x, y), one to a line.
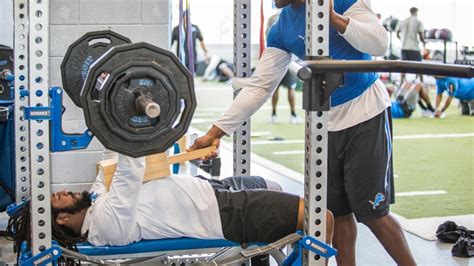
(201, 41)
(421, 33)
(447, 103)
(99, 186)
(114, 216)
(360, 27)
(269, 72)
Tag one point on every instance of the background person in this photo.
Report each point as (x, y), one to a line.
(412, 32)
(459, 88)
(406, 98)
(218, 68)
(196, 35)
(356, 159)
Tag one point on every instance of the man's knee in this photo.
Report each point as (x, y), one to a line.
(272, 185)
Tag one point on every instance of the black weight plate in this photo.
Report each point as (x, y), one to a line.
(95, 114)
(118, 102)
(81, 54)
(6, 63)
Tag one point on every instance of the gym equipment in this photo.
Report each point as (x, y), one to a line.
(390, 23)
(431, 34)
(6, 72)
(81, 54)
(138, 99)
(444, 34)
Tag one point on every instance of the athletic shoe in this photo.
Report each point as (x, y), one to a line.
(427, 113)
(295, 120)
(274, 119)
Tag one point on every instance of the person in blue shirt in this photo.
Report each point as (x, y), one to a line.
(406, 98)
(360, 177)
(459, 88)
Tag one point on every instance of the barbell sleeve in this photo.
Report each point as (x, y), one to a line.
(147, 106)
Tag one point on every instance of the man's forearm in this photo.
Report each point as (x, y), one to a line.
(215, 132)
(360, 27)
(447, 104)
(339, 22)
(439, 97)
(269, 72)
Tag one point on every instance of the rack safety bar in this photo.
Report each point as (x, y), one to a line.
(306, 68)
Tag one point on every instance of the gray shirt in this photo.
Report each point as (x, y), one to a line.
(410, 28)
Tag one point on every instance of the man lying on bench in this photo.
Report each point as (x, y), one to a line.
(243, 209)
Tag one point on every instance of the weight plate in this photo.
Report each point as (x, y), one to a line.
(81, 54)
(105, 99)
(6, 64)
(120, 110)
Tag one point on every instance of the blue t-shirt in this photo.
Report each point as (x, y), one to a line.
(288, 34)
(463, 88)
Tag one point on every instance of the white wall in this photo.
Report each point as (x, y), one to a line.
(456, 15)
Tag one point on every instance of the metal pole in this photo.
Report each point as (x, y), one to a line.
(242, 19)
(316, 135)
(39, 130)
(22, 142)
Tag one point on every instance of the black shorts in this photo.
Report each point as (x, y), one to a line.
(250, 213)
(360, 177)
(289, 81)
(411, 55)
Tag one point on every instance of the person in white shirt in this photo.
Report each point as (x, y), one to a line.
(411, 32)
(360, 177)
(243, 209)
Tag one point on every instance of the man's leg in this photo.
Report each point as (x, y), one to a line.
(274, 101)
(426, 98)
(291, 101)
(389, 232)
(329, 222)
(345, 234)
(367, 165)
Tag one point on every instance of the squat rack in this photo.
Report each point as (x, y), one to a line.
(31, 54)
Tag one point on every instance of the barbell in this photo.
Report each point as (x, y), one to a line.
(137, 99)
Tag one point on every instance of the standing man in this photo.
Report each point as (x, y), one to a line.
(359, 145)
(289, 81)
(197, 35)
(412, 32)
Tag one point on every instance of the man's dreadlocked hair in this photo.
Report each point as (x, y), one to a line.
(19, 230)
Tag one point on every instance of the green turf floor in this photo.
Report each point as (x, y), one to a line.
(445, 164)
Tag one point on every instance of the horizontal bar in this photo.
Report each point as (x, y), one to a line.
(309, 67)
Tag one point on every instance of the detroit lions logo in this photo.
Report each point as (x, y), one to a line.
(378, 199)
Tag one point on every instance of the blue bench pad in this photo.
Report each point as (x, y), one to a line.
(145, 246)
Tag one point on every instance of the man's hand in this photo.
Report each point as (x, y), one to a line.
(440, 114)
(212, 138)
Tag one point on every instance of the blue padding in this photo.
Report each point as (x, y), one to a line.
(145, 246)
